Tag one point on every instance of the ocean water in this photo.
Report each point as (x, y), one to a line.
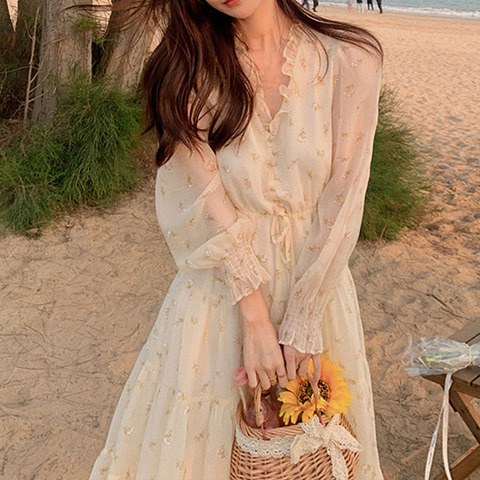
(440, 8)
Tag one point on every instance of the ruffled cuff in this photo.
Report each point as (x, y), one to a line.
(301, 327)
(243, 271)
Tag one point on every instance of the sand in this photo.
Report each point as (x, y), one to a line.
(78, 302)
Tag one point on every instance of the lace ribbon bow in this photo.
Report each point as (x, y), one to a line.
(334, 437)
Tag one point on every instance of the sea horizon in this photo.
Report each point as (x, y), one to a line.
(434, 8)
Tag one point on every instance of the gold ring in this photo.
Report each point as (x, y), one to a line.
(272, 379)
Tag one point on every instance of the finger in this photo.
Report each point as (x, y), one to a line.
(316, 367)
(291, 364)
(272, 377)
(303, 367)
(282, 376)
(264, 381)
(252, 379)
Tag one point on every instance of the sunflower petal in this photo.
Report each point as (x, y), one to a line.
(288, 397)
(295, 417)
(308, 414)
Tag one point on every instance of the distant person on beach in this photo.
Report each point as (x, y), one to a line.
(370, 5)
(379, 3)
(306, 4)
(350, 5)
(315, 5)
(360, 6)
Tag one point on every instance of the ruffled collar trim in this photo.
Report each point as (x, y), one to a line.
(262, 111)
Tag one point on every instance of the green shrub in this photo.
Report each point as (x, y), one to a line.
(100, 129)
(83, 157)
(28, 182)
(395, 197)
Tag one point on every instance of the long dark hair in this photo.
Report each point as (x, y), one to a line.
(196, 58)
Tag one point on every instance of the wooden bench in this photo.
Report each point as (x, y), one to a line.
(465, 386)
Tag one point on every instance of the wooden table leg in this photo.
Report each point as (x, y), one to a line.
(464, 465)
(470, 460)
(462, 404)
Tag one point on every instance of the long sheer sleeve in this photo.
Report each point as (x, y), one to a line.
(201, 225)
(338, 217)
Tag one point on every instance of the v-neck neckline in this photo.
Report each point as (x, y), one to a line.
(262, 111)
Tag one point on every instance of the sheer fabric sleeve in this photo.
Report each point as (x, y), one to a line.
(338, 216)
(201, 225)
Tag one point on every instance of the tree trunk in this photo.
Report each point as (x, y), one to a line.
(125, 52)
(6, 26)
(6, 30)
(27, 10)
(65, 53)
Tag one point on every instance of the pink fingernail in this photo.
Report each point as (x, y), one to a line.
(240, 378)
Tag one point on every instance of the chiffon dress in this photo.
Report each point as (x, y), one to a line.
(279, 209)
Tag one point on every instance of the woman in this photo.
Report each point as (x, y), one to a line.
(265, 116)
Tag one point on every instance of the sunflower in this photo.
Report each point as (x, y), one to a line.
(298, 400)
(332, 388)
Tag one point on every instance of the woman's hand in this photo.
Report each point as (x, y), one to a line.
(262, 353)
(297, 362)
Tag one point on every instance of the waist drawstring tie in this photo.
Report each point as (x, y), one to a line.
(281, 234)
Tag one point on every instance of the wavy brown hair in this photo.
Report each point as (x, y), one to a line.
(196, 58)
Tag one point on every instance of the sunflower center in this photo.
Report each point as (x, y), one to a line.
(324, 390)
(305, 392)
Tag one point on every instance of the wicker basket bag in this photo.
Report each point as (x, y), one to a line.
(324, 449)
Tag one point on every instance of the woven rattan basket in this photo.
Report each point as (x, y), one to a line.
(312, 466)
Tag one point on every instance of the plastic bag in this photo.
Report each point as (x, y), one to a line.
(438, 356)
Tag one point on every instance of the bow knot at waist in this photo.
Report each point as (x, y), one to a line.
(281, 234)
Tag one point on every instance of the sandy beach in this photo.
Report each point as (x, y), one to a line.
(78, 302)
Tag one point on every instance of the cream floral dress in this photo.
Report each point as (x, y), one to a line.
(280, 210)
